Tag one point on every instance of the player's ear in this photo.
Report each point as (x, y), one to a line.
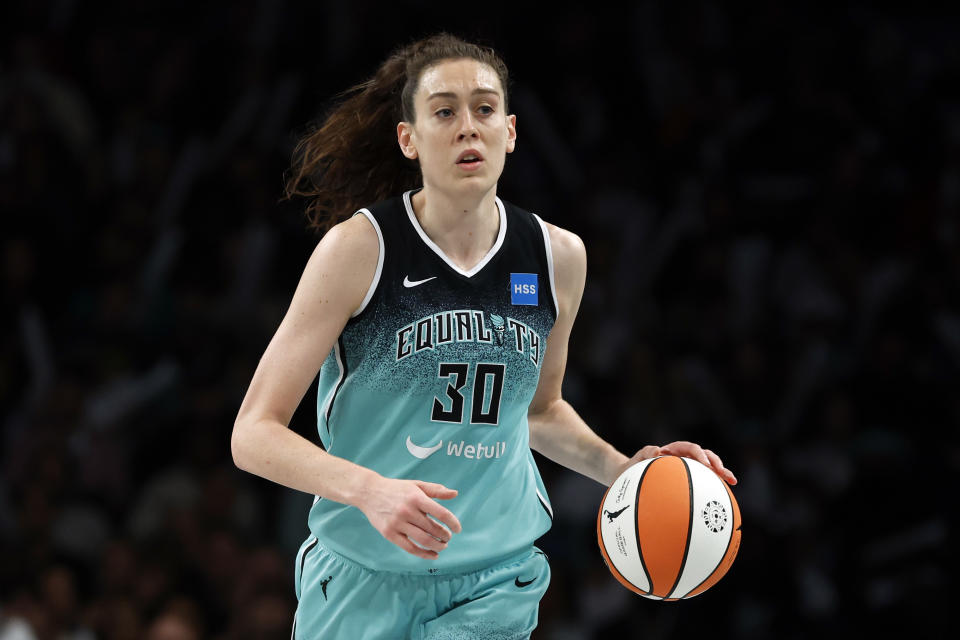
(405, 140)
(511, 133)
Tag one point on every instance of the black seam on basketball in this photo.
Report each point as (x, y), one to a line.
(603, 501)
(686, 546)
(636, 525)
(725, 549)
(343, 360)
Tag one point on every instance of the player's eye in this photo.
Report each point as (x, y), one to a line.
(485, 109)
(445, 113)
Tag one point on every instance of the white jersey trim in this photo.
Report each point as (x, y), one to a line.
(549, 248)
(545, 503)
(335, 387)
(376, 277)
(430, 243)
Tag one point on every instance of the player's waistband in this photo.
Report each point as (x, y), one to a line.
(495, 562)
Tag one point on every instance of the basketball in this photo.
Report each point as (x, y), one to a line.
(668, 528)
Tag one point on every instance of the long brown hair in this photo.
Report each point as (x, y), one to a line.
(351, 159)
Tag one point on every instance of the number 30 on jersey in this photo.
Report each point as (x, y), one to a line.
(485, 399)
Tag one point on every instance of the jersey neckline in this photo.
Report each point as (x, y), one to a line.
(501, 234)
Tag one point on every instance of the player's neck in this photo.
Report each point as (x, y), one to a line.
(464, 229)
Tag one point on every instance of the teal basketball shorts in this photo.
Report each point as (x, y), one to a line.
(342, 600)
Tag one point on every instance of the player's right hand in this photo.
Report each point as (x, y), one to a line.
(399, 510)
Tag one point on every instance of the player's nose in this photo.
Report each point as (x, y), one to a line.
(468, 127)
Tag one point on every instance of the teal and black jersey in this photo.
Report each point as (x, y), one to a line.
(431, 380)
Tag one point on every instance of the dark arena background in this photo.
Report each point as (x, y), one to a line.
(769, 199)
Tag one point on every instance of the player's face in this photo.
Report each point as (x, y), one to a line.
(459, 108)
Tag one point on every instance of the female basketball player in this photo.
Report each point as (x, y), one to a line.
(440, 315)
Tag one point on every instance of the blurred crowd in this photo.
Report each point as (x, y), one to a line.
(769, 200)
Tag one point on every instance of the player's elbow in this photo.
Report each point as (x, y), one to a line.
(538, 420)
(240, 444)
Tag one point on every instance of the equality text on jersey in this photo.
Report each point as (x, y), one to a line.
(468, 325)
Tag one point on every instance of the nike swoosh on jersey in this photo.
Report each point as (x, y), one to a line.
(408, 283)
(523, 583)
(422, 452)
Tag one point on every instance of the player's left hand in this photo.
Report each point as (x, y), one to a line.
(687, 450)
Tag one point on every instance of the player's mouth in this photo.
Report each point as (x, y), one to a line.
(470, 160)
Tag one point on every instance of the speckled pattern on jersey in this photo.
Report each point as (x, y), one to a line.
(430, 323)
(432, 381)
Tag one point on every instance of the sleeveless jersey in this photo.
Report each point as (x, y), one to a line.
(431, 380)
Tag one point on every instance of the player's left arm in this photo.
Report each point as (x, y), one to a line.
(556, 430)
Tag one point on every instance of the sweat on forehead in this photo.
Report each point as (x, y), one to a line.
(462, 76)
(458, 76)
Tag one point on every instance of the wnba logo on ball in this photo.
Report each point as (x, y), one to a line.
(715, 516)
(658, 549)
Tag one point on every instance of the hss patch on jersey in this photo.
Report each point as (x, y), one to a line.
(523, 288)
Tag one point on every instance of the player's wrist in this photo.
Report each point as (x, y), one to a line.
(360, 486)
(614, 464)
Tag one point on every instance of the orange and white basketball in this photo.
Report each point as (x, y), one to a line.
(669, 528)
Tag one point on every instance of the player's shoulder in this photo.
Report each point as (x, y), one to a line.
(342, 266)
(349, 250)
(566, 245)
(355, 234)
(569, 265)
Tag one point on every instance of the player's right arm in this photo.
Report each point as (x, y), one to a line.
(332, 287)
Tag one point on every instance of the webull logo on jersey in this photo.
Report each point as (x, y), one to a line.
(472, 451)
(468, 325)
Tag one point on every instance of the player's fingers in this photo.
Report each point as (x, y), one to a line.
(649, 451)
(441, 513)
(673, 449)
(687, 450)
(715, 460)
(432, 527)
(404, 543)
(423, 539)
(721, 470)
(435, 490)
